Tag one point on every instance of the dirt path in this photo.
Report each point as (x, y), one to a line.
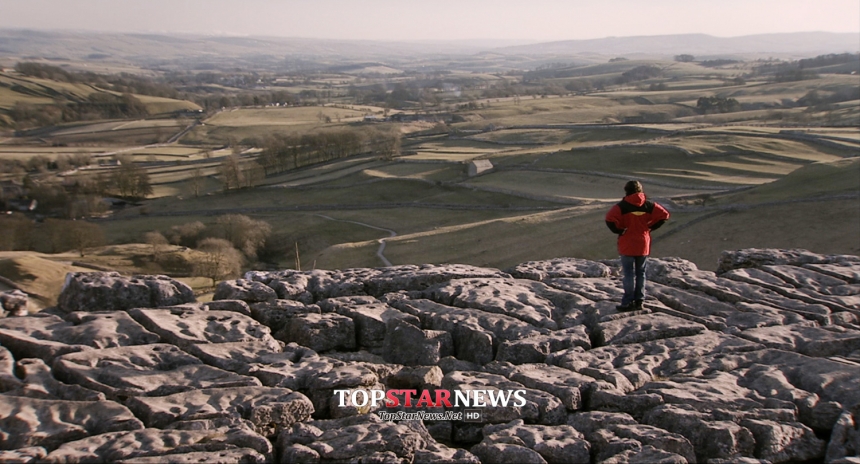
(126, 124)
(381, 241)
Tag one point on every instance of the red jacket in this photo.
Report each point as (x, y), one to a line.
(633, 218)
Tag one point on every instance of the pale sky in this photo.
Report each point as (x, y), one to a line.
(408, 20)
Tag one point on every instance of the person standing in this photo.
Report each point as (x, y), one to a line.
(633, 218)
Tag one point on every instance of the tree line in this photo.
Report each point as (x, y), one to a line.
(121, 83)
(98, 105)
(712, 104)
(223, 247)
(49, 236)
(79, 195)
(803, 69)
(285, 152)
(830, 60)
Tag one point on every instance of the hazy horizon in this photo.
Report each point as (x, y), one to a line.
(443, 20)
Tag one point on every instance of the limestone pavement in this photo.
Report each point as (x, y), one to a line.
(759, 362)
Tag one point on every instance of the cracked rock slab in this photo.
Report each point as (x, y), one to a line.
(475, 332)
(630, 366)
(8, 381)
(845, 439)
(658, 438)
(737, 286)
(32, 454)
(145, 370)
(105, 330)
(351, 438)
(37, 381)
(38, 336)
(28, 422)
(847, 271)
(320, 332)
(421, 277)
(536, 348)
(370, 317)
(249, 291)
(409, 345)
(506, 453)
(269, 409)
(558, 268)
(806, 339)
(555, 444)
(712, 439)
(275, 314)
(119, 446)
(528, 301)
(188, 327)
(564, 384)
(785, 442)
(717, 390)
(241, 356)
(33, 337)
(647, 455)
(316, 285)
(647, 327)
(540, 407)
(592, 289)
(227, 456)
(110, 291)
(758, 257)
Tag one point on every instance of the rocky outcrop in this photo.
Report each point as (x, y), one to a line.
(759, 362)
(109, 291)
(14, 303)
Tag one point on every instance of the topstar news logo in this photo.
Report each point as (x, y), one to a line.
(446, 398)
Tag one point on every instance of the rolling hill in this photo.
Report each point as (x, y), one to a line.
(109, 50)
(25, 93)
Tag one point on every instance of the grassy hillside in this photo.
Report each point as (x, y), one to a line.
(817, 207)
(41, 276)
(37, 93)
(817, 180)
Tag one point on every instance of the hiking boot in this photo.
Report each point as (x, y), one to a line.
(626, 307)
(640, 304)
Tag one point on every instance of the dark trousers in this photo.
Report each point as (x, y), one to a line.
(633, 268)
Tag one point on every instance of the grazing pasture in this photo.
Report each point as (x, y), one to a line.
(750, 177)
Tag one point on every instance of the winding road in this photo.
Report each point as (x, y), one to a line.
(381, 241)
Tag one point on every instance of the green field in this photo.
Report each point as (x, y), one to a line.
(774, 173)
(298, 116)
(564, 187)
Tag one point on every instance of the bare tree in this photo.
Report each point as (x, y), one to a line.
(231, 173)
(253, 174)
(195, 183)
(244, 233)
(82, 235)
(387, 143)
(187, 234)
(158, 242)
(131, 180)
(217, 259)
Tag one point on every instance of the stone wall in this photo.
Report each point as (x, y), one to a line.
(760, 362)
